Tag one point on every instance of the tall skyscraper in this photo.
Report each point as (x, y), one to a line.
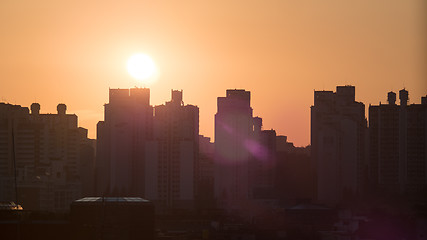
(245, 157)
(233, 133)
(121, 142)
(398, 146)
(51, 156)
(148, 152)
(338, 144)
(172, 155)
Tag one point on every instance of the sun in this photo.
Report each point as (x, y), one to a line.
(141, 67)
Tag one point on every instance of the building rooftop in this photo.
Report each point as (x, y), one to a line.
(112, 200)
(308, 207)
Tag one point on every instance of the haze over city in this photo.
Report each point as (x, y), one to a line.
(55, 52)
(272, 120)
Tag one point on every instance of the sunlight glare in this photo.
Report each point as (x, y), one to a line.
(142, 67)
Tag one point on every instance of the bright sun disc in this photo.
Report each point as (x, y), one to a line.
(141, 67)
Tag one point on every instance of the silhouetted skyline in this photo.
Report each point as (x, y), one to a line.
(308, 142)
(153, 158)
(279, 50)
(153, 151)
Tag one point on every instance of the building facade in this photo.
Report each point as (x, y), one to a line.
(149, 152)
(122, 137)
(172, 155)
(233, 131)
(205, 183)
(263, 163)
(398, 145)
(245, 156)
(338, 144)
(50, 156)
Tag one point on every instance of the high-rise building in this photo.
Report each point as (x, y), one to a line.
(245, 157)
(122, 137)
(262, 165)
(49, 154)
(233, 133)
(398, 146)
(338, 144)
(148, 152)
(172, 155)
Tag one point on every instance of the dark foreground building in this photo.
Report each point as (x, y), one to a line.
(112, 218)
(398, 147)
(47, 156)
(338, 145)
(19, 224)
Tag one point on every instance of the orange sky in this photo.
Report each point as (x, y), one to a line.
(73, 51)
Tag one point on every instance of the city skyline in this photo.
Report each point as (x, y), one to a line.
(280, 51)
(153, 157)
(414, 101)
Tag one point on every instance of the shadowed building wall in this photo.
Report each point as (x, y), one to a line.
(233, 128)
(172, 155)
(338, 144)
(262, 167)
(205, 182)
(124, 218)
(54, 157)
(398, 143)
(121, 139)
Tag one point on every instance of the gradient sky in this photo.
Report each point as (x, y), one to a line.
(72, 51)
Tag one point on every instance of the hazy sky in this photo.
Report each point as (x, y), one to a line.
(72, 51)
